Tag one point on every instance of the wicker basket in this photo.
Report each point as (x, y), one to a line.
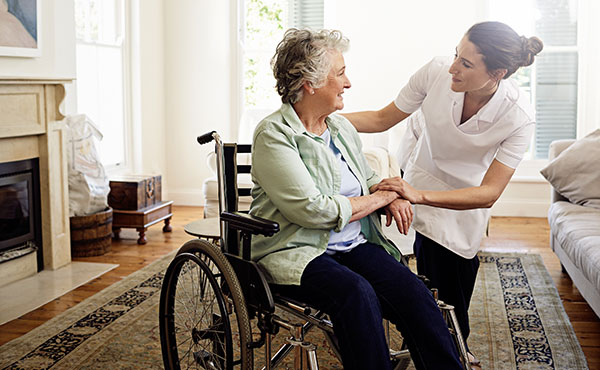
(91, 235)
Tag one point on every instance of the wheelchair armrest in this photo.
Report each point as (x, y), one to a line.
(249, 223)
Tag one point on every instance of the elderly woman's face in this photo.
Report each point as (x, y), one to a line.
(331, 93)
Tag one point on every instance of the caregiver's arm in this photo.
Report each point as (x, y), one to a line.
(376, 121)
(483, 196)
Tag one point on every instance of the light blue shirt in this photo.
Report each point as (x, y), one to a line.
(350, 236)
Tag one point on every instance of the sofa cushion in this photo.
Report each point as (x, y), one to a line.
(575, 173)
(577, 230)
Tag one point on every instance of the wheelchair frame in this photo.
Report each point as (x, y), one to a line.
(210, 294)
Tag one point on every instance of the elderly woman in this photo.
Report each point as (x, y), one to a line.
(311, 177)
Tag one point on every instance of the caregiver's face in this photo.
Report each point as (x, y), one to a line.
(468, 70)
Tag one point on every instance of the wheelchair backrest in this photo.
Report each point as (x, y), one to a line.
(231, 171)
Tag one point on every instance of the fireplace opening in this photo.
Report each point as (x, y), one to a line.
(20, 210)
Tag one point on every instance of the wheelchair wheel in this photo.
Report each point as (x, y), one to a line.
(203, 319)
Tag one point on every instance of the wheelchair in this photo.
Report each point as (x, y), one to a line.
(213, 295)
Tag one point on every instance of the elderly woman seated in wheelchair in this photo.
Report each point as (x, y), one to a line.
(311, 247)
(310, 177)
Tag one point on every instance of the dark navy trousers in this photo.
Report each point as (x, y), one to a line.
(357, 290)
(453, 276)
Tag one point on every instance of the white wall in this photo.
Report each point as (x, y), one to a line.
(389, 41)
(197, 89)
(589, 86)
(57, 40)
(150, 125)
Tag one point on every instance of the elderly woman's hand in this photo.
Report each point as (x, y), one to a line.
(401, 211)
(401, 187)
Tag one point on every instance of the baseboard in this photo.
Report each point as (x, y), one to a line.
(524, 197)
(520, 208)
(185, 197)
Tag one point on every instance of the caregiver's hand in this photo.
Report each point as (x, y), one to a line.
(401, 211)
(401, 187)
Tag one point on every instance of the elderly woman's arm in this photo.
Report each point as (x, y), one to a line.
(283, 175)
(365, 205)
(400, 211)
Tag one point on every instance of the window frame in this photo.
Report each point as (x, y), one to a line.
(126, 29)
(528, 170)
(239, 51)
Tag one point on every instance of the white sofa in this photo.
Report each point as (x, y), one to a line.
(575, 238)
(379, 159)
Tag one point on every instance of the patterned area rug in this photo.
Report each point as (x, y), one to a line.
(518, 322)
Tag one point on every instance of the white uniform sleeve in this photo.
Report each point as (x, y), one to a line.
(414, 92)
(513, 148)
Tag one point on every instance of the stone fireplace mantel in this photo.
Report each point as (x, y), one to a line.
(31, 127)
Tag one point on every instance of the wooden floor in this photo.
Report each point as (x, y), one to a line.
(506, 234)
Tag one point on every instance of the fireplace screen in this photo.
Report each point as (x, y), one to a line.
(20, 212)
(16, 223)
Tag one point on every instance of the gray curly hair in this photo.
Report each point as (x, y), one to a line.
(303, 56)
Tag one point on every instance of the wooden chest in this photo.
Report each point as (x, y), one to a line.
(133, 192)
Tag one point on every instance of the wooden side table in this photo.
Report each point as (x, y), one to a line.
(142, 219)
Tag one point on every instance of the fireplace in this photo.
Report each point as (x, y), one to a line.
(31, 128)
(20, 213)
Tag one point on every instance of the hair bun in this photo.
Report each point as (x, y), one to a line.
(531, 47)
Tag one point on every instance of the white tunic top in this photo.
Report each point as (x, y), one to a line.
(449, 155)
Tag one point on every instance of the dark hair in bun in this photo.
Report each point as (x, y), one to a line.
(502, 47)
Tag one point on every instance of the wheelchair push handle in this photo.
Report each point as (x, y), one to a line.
(206, 138)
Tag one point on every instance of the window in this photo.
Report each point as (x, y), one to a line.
(262, 25)
(265, 23)
(101, 57)
(552, 79)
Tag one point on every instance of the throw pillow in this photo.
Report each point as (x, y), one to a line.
(575, 173)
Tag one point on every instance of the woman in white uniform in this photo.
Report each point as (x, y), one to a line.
(472, 126)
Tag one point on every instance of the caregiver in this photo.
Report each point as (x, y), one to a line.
(470, 126)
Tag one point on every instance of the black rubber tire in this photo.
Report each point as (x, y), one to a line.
(190, 337)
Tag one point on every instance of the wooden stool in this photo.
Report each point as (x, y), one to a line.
(142, 219)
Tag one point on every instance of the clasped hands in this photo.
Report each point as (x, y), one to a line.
(400, 209)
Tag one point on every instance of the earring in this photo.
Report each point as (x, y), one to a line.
(312, 92)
